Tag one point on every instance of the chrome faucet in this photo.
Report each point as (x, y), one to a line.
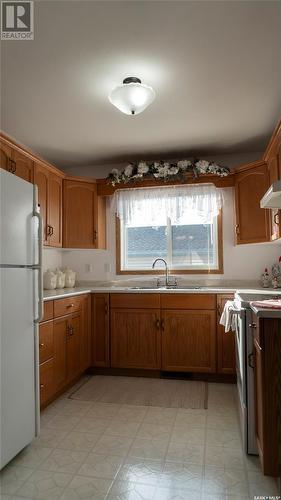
(166, 267)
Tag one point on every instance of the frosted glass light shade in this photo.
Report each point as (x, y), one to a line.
(133, 97)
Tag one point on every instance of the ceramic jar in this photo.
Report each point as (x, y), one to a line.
(70, 277)
(60, 278)
(49, 280)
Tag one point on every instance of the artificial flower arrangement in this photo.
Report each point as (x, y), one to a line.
(165, 171)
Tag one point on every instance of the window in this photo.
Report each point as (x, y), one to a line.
(190, 242)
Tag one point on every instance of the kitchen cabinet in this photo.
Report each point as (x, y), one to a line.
(83, 216)
(272, 157)
(135, 338)
(252, 222)
(16, 162)
(6, 156)
(86, 334)
(226, 361)
(188, 340)
(267, 379)
(64, 344)
(100, 330)
(50, 199)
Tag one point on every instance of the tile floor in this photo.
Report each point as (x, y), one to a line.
(101, 451)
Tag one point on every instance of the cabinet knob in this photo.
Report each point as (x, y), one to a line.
(162, 325)
(157, 324)
(95, 234)
(41, 345)
(237, 229)
(276, 219)
(42, 386)
(252, 325)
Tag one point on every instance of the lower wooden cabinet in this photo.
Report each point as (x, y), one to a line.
(64, 344)
(135, 338)
(226, 359)
(100, 330)
(46, 381)
(189, 340)
(60, 367)
(267, 378)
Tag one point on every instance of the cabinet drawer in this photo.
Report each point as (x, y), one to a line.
(46, 341)
(188, 301)
(67, 306)
(48, 310)
(46, 381)
(135, 300)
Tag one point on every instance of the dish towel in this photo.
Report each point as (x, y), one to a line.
(270, 303)
(228, 319)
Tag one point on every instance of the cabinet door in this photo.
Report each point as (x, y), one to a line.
(60, 369)
(85, 338)
(46, 381)
(100, 329)
(73, 345)
(135, 338)
(46, 341)
(55, 210)
(79, 204)
(5, 156)
(23, 166)
(226, 361)
(189, 340)
(273, 171)
(41, 179)
(252, 222)
(259, 403)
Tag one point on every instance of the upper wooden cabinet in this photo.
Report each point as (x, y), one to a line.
(83, 216)
(50, 199)
(273, 158)
(252, 222)
(16, 162)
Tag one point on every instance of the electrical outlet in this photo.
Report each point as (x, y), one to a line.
(107, 267)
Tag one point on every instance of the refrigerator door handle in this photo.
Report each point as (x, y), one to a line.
(39, 267)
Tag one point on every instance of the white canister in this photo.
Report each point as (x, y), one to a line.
(60, 278)
(70, 277)
(49, 280)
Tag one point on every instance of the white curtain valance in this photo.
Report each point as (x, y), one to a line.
(188, 204)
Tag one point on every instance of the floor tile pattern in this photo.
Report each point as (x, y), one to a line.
(102, 451)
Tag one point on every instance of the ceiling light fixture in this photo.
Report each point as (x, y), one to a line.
(132, 97)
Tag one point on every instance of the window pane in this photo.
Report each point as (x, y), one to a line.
(194, 246)
(142, 245)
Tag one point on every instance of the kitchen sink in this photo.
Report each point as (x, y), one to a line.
(165, 288)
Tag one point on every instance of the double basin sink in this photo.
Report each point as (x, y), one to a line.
(169, 287)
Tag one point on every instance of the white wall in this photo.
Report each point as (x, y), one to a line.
(228, 160)
(240, 262)
(52, 258)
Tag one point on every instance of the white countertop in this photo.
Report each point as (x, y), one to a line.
(114, 288)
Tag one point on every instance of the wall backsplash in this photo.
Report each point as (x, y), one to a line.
(52, 258)
(240, 261)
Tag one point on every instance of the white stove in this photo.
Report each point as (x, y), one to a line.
(244, 360)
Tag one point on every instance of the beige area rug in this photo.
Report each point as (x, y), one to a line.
(142, 391)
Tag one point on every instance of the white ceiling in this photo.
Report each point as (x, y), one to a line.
(215, 66)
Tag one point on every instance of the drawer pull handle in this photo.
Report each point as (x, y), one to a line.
(70, 305)
(251, 360)
(162, 325)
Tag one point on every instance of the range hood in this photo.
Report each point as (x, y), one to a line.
(272, 197)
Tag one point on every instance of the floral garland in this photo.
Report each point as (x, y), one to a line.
(165, 171)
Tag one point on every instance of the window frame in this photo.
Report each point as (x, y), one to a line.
(218, 270)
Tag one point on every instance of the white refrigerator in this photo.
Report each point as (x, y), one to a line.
(21, 304)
